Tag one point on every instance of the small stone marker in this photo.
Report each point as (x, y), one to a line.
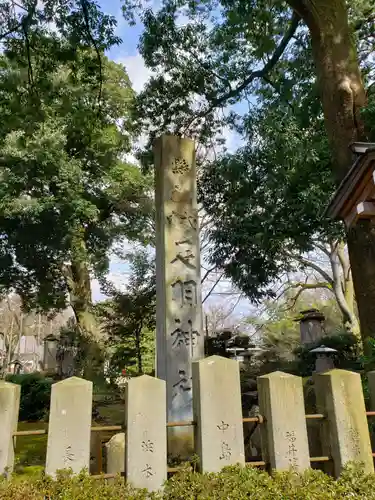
(146, 433)
(345, 432)
(9, 408)
(69, 429)
(218, 413)
(115, 452)
(284, 433)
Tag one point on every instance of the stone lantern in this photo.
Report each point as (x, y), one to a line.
(324, 360)
(50, 354)
(66, 356)
(311, 326)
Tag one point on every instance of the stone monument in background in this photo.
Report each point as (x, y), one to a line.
(179, 329)
(311, 326)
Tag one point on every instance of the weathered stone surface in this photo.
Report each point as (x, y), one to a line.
(311, 326)
(69, 426)
(324, 364)
(218, 413)
(146, 433)
(345, 431)
(179, 330)
(284, 433)
(50, 354)
(115, 451)
(9, 408)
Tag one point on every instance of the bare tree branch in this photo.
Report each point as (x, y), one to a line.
(207, 273)
(302, 288)
(221, 100)
(340, 297)
(312, 265)
(212, 288)
(322, 248)
(344, 260)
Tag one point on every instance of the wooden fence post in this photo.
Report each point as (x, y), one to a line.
(218, 413)
(345, 431)
(284, 433)
(68, 445)
(146, 432)
(9, 408)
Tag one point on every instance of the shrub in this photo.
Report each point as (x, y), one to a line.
(35, 395)
(233, 483)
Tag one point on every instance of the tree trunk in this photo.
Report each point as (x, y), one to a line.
(79, 285)
(138, 334)
(343, 96)
(342, 279)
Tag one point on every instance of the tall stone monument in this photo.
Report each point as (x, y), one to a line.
(179, 329)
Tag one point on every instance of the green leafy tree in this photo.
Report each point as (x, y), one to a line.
(278, 326)
(303, 52)
(128, 318)
(66, 193)
(265, 206)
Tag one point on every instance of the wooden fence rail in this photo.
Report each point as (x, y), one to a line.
(138, 448)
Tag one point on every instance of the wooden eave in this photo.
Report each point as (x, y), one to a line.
(355, 196)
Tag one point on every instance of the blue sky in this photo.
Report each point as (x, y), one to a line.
(128, 55)
(127, 52)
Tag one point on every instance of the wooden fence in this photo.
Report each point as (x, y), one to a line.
(218, 423)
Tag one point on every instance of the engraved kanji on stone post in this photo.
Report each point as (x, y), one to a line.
(146, 433)
(218, 413)
(68, 445)
(178, 294)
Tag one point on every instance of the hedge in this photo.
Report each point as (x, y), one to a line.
(232, 483)
(35, 395)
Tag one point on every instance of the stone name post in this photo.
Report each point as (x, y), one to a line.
(68, 445)
(345, 433)
(284, 433)
(9, 408)
(146, 433)
(218, 413)
(179, 332)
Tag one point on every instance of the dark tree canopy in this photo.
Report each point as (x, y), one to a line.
(248, 67)
(66, 192)
(128, 318)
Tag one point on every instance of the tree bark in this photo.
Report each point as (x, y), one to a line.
(81, 299)
(79, 285)
(138, 334)
(343, 97)
(339, 278)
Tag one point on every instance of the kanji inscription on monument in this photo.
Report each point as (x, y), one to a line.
(178, 295)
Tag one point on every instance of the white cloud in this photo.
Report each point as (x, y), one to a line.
(136, 69)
